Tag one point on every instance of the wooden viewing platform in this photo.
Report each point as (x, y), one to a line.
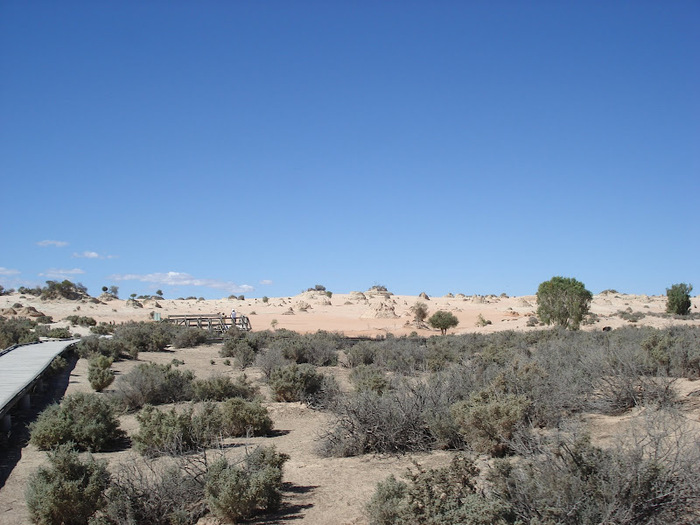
(212, 322)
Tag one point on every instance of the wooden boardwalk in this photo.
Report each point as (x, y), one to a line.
(21, 368)
(212, 322)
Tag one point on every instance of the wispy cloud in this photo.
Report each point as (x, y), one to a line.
(92, 255)
(8, 271)
(183, 279)
(59, 273)
(57, 244)
(266, 282)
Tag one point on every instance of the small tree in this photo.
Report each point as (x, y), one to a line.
(563, 301)
(114, 290)
(420, 311)
(443, 320)
(678, 299)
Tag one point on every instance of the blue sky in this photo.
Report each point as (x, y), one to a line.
(260, 148)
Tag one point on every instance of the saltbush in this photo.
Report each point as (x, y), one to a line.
(67, 491)
(100, 374)
(16, 331)
(295, 382)
(87, 420)
(219, 388)
(190, 337)
(244, 418)
(154, 384)
(236, 492)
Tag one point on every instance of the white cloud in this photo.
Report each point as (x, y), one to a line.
(91, 255)
(57, 244)
(58, 273)
(184, 279)
(266, 281)
(8, 271)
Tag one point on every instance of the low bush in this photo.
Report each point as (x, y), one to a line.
(76, 320)
(156, 493)
(241, 349)
(220, 387)
(94, 345)
(176, 432)
(67, 491)
(103, 329)
(87, 420)
(270, 360)
(368, 378)
(244, 418)
(145, 337)
(154, 384)
(53, 333)
(190, 337)
(236, 492)
(441, 496)
(488, 419)
(16, 331)
(295, 382)
(100, 374)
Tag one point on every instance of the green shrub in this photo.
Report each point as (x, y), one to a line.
(678, 299)
(154, 384)
(443, 321)
(443, 496)
(44, 319)
(68, 491)
(100, 375)
(190, 337)
(487, 420)
(563, 301)
(369, 378)
(76, 320)
(16, 331)
(176, 432)
(58, 365)
(87, 420)
(245, 418)
(362, 353)
(270, 360)
(53, 333)
(241, 349)
(103, 329)
(220, 388)
(295, 382)
(145, 337)
(64, 289)
(236, 492)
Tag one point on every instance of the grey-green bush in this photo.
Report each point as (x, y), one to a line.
(100, 374)
(678, 298)
(87, 420)
(219, 388)
(235, 492)
(67, 491)
(154, 384)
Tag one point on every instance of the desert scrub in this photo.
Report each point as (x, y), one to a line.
(86, 420)
(369, 378)
(295, 382)
(154, 384)
(94, 345)
(244, 418)
(100, 374)
(238, 491)
(174, 432)
(67, 491)
(145, 337)
(440, 496)
(76, 320)
(270, 360)
(219, 388)
(241, 349)
(190, 337)
(488, 419)
(156, 493)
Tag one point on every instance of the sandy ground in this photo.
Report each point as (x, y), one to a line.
(319, 490)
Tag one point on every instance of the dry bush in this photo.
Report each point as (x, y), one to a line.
(154, 384)
(86, 420)
(67, 491)
(219, 388)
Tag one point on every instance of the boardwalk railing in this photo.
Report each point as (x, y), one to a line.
(212, 322)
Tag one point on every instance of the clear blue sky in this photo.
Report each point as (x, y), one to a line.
(260, 148)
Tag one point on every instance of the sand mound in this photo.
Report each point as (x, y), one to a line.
(381, 310)
(424, 295)
(7, 311)
(133, 303)
(524, 303)
(29, 311)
